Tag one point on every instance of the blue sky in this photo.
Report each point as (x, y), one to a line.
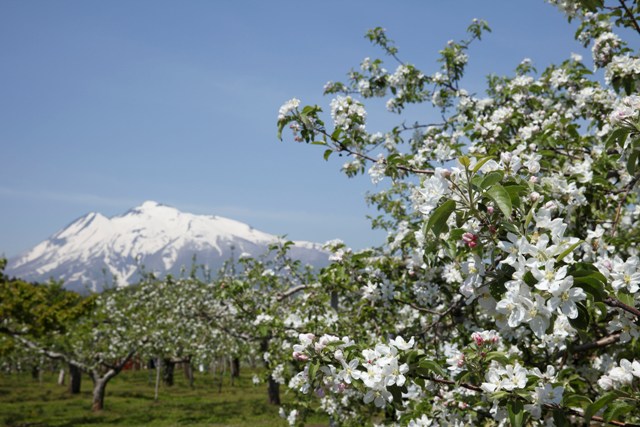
(104, 105)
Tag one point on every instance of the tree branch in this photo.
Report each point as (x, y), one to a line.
(602, 342)
(341, 147)
(613, 302)
(548, 406)
(51, 354)
(291, 291)
(416, 307)
(628, 12)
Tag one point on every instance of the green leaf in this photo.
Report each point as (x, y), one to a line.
(632, 161)
(617, 409)
(438, 220)
(617, 136)
(576, 401)
(515, 191)
(568, 250)
(432, 366)
(491, 178)
(501, 197)
(582, 321)
(319, 143)
(510, 227)
(560, 419)
(464, 161)
(481, 163)
(626, 298)
(599, 404)
(592, 286)
(497, 356)
(582, 269)
(313, 370)
(456, 233)
(327, 153)
(396, 391)
(529, 279)
(516, 413)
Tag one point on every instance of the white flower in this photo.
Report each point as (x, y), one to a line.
(288, 107)
(349, 371)
(401, 344)
(433, 189)
(565, 297)
(546, 395)
(626, 275)
(378, 397)
(620, 375)
(508, 378)
(549, 279)
(377, 170)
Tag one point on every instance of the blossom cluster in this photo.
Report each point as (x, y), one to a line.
(621, 375)
(512, 238)
(374, 369)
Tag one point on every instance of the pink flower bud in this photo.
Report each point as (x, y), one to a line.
(300, 356)
(469, 237)
(478, 339)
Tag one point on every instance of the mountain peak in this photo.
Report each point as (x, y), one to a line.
(94, 250)
(149, 204)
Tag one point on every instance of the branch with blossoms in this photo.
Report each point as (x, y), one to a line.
(380, 375)
(309, 126)
(531, 235)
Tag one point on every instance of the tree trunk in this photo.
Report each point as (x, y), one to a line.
(223, 368)
(35, 371)
(99, 387)
(61, 376)
(168, 366)
(75, 379)
(188, 372)
(273, 388)
(158, 369)
(274, 392)
(334, 300)
(235, 367)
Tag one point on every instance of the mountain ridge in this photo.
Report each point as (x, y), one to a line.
(94, 248)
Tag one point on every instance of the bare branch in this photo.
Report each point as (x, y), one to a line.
(629, 13)
(613, 302)
(291, 291)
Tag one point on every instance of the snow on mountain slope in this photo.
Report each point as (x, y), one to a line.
(95, 251)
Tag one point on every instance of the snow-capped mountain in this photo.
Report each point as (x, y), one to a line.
(95, 250)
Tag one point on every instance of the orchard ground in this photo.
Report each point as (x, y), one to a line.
(25, 401)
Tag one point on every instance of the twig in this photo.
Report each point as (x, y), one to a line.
(442, 316)
(548, 406)
(613, 302)
(634, 23)
(417, 307)
(341, 147)
(292, 291)
(602, 342)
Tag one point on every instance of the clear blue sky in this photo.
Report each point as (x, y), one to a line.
(106, 104)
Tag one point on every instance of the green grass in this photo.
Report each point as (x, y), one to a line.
(129, 401)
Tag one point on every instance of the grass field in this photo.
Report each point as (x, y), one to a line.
(130, 402)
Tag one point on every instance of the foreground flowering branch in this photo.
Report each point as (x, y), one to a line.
(500, 263)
